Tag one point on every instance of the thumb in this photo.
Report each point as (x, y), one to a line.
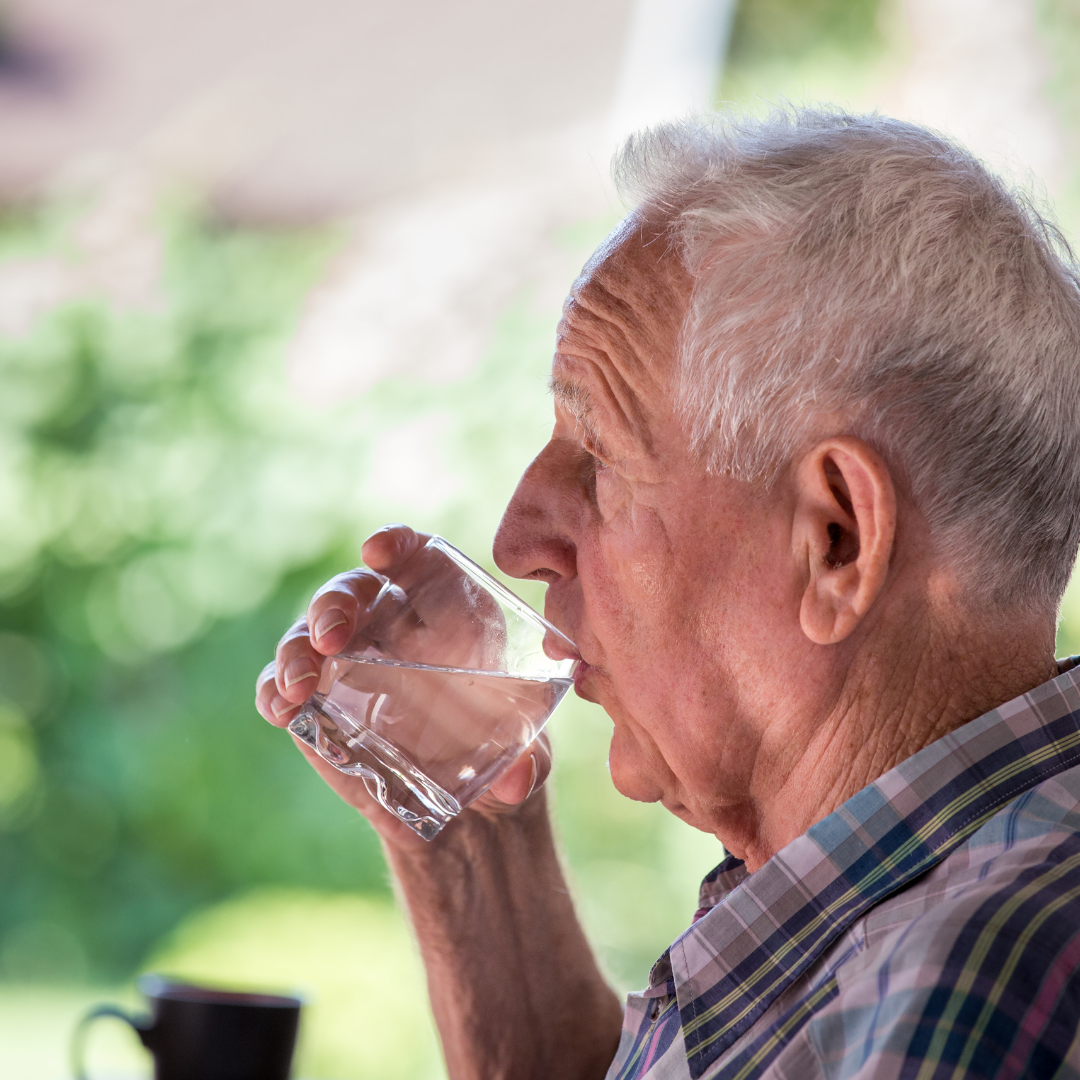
(525, 776)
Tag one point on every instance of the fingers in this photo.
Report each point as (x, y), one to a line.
(525, 776)
(332, 615)
(296, 666)
(392, 544)
(337, 607)
(332, 619)
(271, 705)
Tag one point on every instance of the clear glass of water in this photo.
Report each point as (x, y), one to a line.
(446, 681)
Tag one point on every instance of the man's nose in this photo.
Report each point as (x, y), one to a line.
(534, 538)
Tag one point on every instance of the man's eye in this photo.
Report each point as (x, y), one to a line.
(589, 465)
(594, 464)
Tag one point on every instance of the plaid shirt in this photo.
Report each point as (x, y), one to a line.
(929, 927)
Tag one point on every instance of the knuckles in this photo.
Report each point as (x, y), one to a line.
(353, 584)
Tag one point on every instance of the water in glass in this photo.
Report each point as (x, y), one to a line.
(427, 740)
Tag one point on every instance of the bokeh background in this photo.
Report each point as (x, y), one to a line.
(271, 274)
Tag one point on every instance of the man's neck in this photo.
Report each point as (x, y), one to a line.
(889, 707)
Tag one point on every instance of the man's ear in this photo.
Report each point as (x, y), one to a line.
(844, 529)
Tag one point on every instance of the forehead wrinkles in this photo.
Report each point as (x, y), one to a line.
(609, 415)
(596, 306)
(613, 350)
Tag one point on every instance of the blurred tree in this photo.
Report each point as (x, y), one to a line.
(164, 509)
(786, 29)
(1059, 23)
(820, 50)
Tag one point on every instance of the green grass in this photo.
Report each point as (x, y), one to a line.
(36, 1023)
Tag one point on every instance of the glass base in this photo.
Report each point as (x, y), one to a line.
(389, 777)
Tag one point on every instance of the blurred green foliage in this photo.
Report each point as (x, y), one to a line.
(837, 51)
(157, 531)
(773, 30)
(1058, 22)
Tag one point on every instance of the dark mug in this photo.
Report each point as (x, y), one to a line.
(196, 1033)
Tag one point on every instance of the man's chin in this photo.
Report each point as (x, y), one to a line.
(634, 789)
(685, 815)
(629, 776)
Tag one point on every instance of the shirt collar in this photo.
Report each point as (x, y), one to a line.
(756, 933)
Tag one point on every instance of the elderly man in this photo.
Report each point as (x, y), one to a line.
(808, 509)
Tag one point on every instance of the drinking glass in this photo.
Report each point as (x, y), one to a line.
(446, 681)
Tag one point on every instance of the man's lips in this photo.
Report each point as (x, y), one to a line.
(562, 647)
(581, 675)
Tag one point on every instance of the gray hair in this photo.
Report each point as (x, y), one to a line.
(862, 275)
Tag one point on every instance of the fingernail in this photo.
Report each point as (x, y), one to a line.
(535, 770)
(327, 621)
(299, 670)
(279, 706)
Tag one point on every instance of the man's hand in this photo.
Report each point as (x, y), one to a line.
(337, 611)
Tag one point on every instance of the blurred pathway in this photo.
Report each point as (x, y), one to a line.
(292, 109)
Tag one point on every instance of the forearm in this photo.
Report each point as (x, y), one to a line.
(514, 987)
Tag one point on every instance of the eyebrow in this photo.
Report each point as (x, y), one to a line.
(578, 402)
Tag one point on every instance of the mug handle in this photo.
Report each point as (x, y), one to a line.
(141, 1026)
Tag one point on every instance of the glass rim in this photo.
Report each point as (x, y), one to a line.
(492, 584)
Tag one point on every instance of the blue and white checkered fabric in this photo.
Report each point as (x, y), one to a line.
(928, 928)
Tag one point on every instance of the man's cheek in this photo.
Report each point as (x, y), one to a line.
(635, 546)
(613, 496)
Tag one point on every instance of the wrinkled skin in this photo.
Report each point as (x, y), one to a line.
(653, 566)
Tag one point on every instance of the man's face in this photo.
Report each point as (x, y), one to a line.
(676, 585)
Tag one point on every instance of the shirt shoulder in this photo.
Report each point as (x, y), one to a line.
(974, 969)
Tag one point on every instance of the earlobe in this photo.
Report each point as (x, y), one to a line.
(844, 528)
